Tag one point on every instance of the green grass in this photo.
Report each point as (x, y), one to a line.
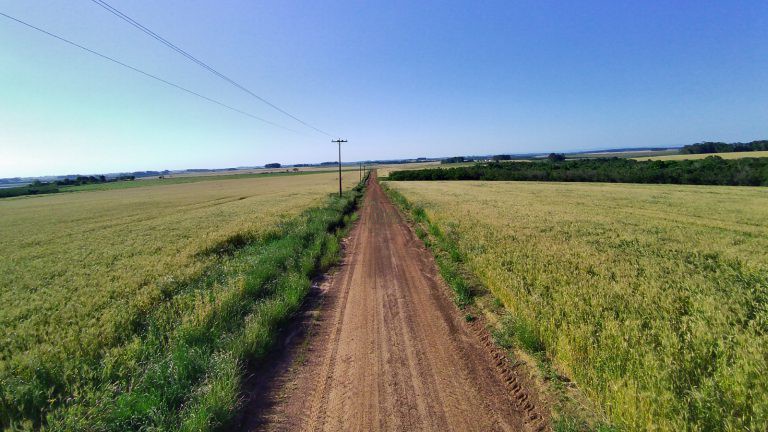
(653, 298)
(569, 424)
(447, 255)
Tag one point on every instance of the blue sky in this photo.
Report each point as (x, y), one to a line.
(396, 78)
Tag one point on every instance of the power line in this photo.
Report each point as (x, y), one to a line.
(199, 62)
(147, 74)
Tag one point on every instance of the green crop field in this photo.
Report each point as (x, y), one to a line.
(653, 298)
(108, 293)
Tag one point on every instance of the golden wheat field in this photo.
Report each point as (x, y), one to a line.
(385, 169)
(72, 261)
(653, 298)
(78, 268)
(729, 155)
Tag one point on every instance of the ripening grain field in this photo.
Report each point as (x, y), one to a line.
(730, 155)
(654, 298)
(87, 277)
(384, 169)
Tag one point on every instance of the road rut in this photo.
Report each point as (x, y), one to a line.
(387, 348)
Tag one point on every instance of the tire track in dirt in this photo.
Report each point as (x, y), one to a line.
(389, 350)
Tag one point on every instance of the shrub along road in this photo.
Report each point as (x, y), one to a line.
(388, 350)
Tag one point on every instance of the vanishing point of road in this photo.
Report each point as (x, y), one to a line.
(384, 348)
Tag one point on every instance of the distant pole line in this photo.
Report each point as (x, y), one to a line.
(339, 141)
(199, 62)
(147, 74)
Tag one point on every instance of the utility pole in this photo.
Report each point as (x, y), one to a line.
(339, 141)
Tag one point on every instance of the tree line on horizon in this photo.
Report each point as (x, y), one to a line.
(721, 147)
(698, 148)
(712, 170)
(38, 187)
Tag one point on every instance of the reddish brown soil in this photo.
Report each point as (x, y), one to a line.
(382, 347)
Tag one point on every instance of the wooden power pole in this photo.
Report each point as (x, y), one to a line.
(339, 141)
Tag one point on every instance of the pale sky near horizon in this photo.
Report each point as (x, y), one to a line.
(398, 79)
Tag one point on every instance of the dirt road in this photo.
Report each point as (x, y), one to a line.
(387, 349)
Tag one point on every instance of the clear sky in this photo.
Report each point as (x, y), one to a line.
(397, 78)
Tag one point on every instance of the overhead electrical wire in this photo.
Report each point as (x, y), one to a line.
(147, 74)
(199, 62)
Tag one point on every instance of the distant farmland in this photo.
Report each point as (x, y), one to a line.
(728, 155)
(653, 298)
(88, 278)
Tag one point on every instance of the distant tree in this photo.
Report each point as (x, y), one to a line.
(272, 165)
(556, 157)
(37, 187)
(502, 157)
(455, 159)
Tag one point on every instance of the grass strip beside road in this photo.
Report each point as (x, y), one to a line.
(446, 254)
(516, 336)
